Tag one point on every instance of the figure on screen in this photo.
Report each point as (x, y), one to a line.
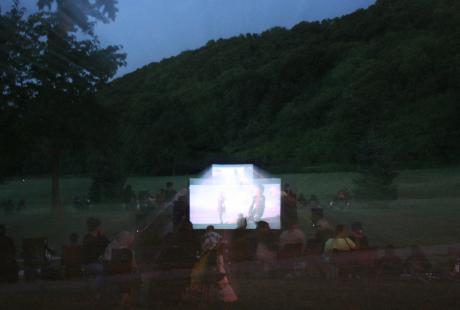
(226, 191)
(221, 207)
(257, 208)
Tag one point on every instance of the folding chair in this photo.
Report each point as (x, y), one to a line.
(34, 254)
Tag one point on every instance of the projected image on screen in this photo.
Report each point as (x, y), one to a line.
(241, 174)
(228, 195)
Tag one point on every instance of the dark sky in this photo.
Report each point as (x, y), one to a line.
(151, 30)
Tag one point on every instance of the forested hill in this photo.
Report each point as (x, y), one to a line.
(317, 93)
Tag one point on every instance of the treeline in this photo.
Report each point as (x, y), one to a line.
(315, 94)
(52, 65)
(386, 78)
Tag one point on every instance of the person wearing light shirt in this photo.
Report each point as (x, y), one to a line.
(340, 242)
(292, 236)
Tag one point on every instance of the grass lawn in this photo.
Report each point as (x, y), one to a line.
(427, 211)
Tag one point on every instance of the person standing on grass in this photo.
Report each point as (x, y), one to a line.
(94, 245)
(8, 265)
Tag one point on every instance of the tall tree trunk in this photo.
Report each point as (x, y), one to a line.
(55, 185)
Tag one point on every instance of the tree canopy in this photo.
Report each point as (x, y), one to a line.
(306, 96)
(49, 78)
(285, 99)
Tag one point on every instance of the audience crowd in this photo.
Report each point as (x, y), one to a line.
(215, 259)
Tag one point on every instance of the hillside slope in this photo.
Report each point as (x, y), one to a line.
(317, 93)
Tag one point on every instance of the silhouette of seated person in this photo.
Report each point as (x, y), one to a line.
(366, 257)
(185, 244)
(168, 257)
(316, 215)
(340, 242)
(48, 269)
(323, 232)
(121, 265)
(417, 263)
(288, 206)
(72, 258)
(119, 255)
(266, 246)
(292, 242)
(93, 247)
(455, 272)
(210, 239)
(215, 285)
(144, 200)
(358, 237)
(174, 253)
(338, 249)
(151, 204)
(180, 210)
(160, 198)
(342, 199)
(8, 265)
(240, 244)
(390, 265)
(343, 195)
(34, 254)
(179, 248)
(241, 248)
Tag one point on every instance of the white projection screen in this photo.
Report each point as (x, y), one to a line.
(232, 192)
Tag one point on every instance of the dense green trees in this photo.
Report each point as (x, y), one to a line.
(310, 95)
(49, 78)
(283, 99)
(375, 181)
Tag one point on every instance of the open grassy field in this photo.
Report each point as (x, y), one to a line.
(38, 220)
(427, 211)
